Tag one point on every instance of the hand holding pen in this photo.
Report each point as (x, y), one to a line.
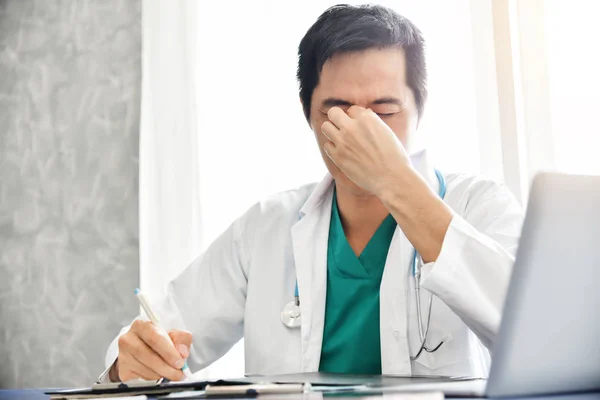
(148, 352)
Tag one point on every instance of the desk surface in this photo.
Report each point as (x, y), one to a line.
(38, 394)
(18, 394)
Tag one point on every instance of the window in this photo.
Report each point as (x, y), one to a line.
(574, 61)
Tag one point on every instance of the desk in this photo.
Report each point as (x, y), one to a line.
(22, 394)
(38, 394)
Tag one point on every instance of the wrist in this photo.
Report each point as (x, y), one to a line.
(396, 189)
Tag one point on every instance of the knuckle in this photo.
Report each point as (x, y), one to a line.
(181, 336)
(173, 359)
(153, 340)
(137, 324)
(124, 341)
(174, 375)
(187, 336)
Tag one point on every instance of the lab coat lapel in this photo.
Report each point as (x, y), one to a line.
(394, 295)
(309, 239)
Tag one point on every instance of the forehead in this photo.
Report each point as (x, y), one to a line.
(362, 76)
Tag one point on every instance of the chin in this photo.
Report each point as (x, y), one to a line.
(343, 183)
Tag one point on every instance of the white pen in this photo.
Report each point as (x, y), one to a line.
(154, 318)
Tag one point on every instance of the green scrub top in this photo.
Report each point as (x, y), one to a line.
(351, 337)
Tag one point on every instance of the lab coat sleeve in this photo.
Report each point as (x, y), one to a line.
(207, 298)
(472, 272)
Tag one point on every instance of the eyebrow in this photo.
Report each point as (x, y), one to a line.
(334, 102)
(388, 100)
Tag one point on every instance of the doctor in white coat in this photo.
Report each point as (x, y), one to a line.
(346, 246)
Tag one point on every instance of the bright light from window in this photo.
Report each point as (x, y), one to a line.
(574, 62)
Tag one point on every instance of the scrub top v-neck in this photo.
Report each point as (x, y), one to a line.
(351, 336)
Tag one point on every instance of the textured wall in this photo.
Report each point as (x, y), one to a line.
(70, 80)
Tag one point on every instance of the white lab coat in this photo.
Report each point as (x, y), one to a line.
(239, 286)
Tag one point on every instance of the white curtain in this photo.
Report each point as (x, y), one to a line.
(170, 220)
(572, 38)
(548, 88)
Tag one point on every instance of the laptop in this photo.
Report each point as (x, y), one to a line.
(549, 339)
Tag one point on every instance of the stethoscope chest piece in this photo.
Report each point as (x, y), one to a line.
(290, 315)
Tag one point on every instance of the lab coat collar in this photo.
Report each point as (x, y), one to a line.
(419, 161)
(317, 195)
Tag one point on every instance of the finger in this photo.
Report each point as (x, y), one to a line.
(182, 341)
(331, 151)
(354, 111)
(330, 131)
(158, 342)
(145, 355)
(132, 368)
(338, 117)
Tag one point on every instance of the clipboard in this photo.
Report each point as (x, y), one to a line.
(205, 388)
(132, 388)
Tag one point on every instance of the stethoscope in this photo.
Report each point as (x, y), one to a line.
(292, 318)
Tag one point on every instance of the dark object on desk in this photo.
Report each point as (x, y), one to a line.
(132, 389)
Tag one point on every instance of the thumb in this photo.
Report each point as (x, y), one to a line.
(182, 341)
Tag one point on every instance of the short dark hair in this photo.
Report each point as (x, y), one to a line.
(344, 28)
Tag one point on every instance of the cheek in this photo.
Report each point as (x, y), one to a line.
(316, 121)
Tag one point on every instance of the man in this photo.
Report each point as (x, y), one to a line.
(347, 245)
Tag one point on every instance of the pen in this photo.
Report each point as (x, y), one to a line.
(154, 318)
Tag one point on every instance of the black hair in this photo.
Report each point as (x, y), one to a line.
(344, 28)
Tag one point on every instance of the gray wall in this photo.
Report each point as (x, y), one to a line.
(70, 78)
